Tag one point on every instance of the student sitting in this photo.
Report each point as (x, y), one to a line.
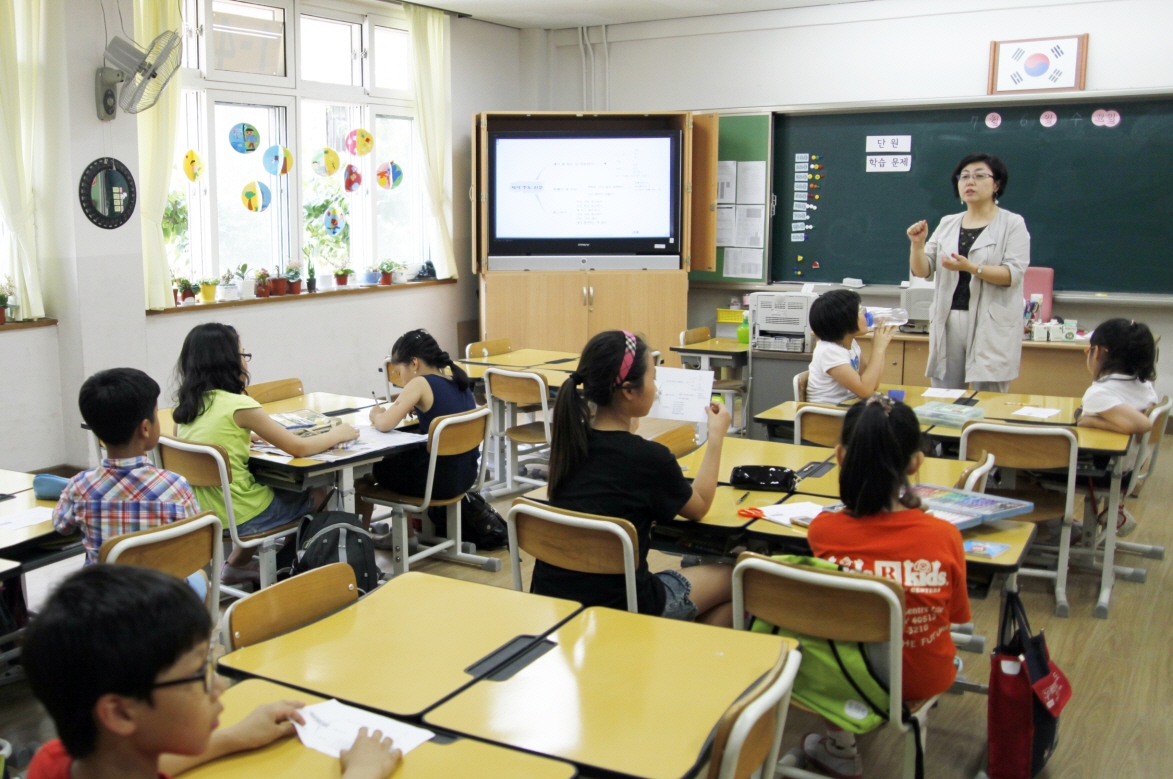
(884, 532)
(125, 493)
(838, 371)
(121, 657)
(213, 409)
(599, 466)
(428, 393)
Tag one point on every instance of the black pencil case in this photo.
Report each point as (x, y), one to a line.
(771, 478)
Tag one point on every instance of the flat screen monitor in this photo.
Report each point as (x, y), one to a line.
(584, 193)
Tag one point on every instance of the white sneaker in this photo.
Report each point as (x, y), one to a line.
(817, 751)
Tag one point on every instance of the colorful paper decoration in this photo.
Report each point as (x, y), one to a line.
(359, 142)
(333, 220)
(389, 175)
(325, 161)
(193, 165)
(244, 138)
(351, 178)
(255, 196)
(278, 160)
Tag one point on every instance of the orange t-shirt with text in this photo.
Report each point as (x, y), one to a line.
(924, 555)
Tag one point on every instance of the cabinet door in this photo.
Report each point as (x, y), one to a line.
(916, 360)
(653, 303)
(535, 310)
(893, 360)
(703, 198)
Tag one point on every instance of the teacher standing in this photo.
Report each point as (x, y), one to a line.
(978, 258)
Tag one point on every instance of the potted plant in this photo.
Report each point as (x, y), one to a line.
(227, 289)
(371, 275)
(5, 292)
(386, 268)
(293, 276)
(311, 279)
(341, 276)
(262, 283)
(175, 292)
(278, 284)
(247, 286)
(398, 273)
(208, 290)
(186, 289)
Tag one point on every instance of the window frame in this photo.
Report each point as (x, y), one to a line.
(318, 90)
(371, 60)
(212, 73)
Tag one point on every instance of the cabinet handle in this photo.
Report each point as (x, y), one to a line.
(584, 296)
(592, 295)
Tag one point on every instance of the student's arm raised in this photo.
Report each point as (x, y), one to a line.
(257, 421)
(704, 484)
(864, 383)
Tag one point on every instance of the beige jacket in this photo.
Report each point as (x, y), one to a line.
(994, 345)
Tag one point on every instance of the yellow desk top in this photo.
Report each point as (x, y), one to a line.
(15, 481)
(629, 693)
(765, 527)
(714, 346)
(1090, 439)
(522, 358)
(6, 566)
(289, 759)
(405, 646)
(23, 501)
(322, 402)
(742, 451)
(998, 405)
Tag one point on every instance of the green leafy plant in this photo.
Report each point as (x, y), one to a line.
(175, 227)
(293, 271)
(181, 284)
(310, 272)
(208, 282)
(318, 195)
(387, 266)
(343, 271)
(240, 271)
(262, 276)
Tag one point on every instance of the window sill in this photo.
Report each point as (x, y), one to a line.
(324, 294)
(27, 324)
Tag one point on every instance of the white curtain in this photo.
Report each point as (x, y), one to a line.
(433, 98)
(156, 154)
(20, 51)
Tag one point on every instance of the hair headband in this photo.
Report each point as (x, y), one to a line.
(883, 401)
(628, 357)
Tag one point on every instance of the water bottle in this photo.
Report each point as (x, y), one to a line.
(896, 316)
(743, 329)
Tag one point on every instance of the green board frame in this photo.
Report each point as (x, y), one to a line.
(1096, 198)
(740, 138)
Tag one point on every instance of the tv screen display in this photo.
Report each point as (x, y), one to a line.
(584, 193)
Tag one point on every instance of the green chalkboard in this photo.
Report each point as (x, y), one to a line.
(740, 138)
(1097, 199)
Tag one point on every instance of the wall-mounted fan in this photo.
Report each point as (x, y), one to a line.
(143, 74)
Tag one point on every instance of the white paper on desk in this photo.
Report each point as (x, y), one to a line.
(785, 513)
(26, 518)
(751, 226)
(682, 395)
(933, 392)
(726, 182)
(331, 727)
(370, 440)
(743, 263)
(751, 182)
(726, 225)
(1035, 412)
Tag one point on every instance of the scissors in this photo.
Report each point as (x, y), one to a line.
(751, 513)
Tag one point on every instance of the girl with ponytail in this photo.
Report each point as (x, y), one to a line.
(428, 392)
(598, 466)
(883, 531)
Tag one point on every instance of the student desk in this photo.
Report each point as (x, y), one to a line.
(323, 402)
(289, 759)
(7, 567)
(12, 482)
(784, 412)
(725, 349)
(618, 692)
(406, 646)
(742, 451)
(20, 537)
(475, 367)
(1002, 406)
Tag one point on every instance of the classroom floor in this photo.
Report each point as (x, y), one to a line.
(1117, 723)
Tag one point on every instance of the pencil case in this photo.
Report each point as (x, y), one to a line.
(46, 486)
(772, 478)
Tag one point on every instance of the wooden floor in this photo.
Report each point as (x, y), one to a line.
(1118, 724)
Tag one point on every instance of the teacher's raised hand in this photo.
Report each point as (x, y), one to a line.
(918, 232)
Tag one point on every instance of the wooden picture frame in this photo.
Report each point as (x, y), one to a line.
(1031, 65)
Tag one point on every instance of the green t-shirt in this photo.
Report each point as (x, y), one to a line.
(217, 426)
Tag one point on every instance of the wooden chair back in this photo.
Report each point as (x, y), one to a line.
(800, 382)
(760, 739)
(198, 468)
(461, 435)
(694, 336)
(818, 424)
(1016, 446)
(582, 549)
(523, 389)
(816, 610)
(980, 461)
(1150, 446)
(488, 348)
(269, 391)
(289, 605)
(164, 549)
(392, 374)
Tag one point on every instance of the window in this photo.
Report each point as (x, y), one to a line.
(184, 215)
(331, 51)
(397, 194)
(328, 188)
(391, 59)
(248, 42)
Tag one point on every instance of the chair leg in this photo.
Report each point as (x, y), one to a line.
(268, 562)
(399, 556)
(1151, 551)
(456, 553)
(1061, 607)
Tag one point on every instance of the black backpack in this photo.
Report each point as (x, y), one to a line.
(479, 522)
(336, 537)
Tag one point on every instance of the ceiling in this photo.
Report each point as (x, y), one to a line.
(560, 14)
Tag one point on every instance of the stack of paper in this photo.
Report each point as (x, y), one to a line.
(331, 727)
(793, 513)
(952, 394)
(26, 518)
(682, 395)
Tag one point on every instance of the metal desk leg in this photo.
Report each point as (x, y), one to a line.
(1108, 576)
(344, 498)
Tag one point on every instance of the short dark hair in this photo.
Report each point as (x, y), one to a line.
(115, 402)
(997, 167)
(835, 314)
(107, 629)
(1131, 348)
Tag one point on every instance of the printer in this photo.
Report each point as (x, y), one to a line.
(917, 300)
(781, 320)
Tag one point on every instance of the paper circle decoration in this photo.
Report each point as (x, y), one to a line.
(389, 175)
(352, 179)
(255, 196)
(993, 119)
(244, 137)
(359, 142)
(1048, 119)
(278, 160)
(193, 165)
(333, 220)
(1037, 65)
(325, 161)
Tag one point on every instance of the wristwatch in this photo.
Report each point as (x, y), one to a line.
(979, 270)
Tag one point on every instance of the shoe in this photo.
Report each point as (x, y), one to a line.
(381, 535)
(234, 576)
(1125, 522)
(815, 747)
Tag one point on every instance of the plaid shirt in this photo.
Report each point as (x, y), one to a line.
(122, 496)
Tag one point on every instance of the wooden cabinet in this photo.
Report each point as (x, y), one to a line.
(916, 360)
(893, 360)
(561, 310)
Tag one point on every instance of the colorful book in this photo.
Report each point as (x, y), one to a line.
(987, 549)
(966, 509)
(304, 422)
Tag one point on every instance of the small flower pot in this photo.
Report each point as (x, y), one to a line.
(311, 286)
(208, 293)
(371, 277)
(340, 279)
(399, 277)
(3, 315)
(295, 287)
(175, 295)
(187, 294)
(226, 292)
(262, 289)
(385, 279)
(248, 289)
(278, 286)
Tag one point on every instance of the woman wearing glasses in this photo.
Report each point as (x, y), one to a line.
(978, 258)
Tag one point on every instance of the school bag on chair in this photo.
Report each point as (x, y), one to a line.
(336, 537)
(1027, 693)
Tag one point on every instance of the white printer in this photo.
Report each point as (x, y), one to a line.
(781, 320)
(917, 300)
